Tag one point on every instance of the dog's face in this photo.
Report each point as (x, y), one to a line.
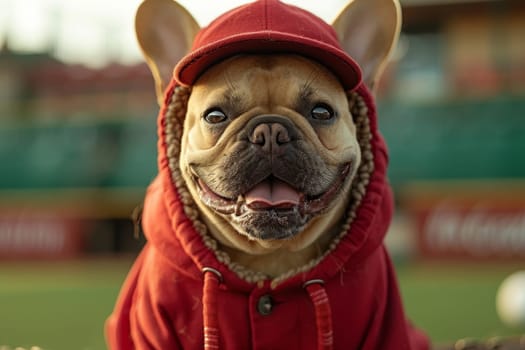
(269, 147)
(269, 144)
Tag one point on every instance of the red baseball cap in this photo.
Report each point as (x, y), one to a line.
(267, 27)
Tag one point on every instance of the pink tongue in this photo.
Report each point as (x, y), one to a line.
(273, 193)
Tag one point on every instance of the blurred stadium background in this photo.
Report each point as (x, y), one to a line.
(78, 148)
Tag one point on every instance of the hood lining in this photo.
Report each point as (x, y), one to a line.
(174, 120)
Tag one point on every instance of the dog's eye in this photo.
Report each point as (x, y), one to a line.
(215, 116)
(322, 112)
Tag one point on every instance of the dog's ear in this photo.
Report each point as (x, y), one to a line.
(165, 31)
(368, 31)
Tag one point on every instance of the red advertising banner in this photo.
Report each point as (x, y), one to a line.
(36, 236)
(463, 223)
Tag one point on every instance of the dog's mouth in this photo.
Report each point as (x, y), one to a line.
(275, 195)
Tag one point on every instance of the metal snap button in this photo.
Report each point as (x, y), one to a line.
(265, 305)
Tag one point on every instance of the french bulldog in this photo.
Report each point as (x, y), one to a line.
(269, 149)
(266, 220)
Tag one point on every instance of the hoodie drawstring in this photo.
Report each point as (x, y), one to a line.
(323, 313)
(212, 280)
(316, 292)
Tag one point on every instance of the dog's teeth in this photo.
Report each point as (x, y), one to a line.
(302, 208)
(239, 204)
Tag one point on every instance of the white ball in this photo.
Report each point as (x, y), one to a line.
(510, 300)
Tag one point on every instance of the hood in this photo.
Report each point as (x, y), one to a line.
(241, 31)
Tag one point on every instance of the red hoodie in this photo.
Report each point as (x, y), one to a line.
(183, 293)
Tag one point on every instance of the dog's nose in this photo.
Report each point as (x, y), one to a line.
(270, 132)
(273, 134)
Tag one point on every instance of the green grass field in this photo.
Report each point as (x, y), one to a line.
(63, 305)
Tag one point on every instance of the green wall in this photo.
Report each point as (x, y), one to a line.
(475, 139)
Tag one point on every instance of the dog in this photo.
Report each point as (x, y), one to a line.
(265, 223)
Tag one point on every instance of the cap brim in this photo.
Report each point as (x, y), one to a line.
(334, 59)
